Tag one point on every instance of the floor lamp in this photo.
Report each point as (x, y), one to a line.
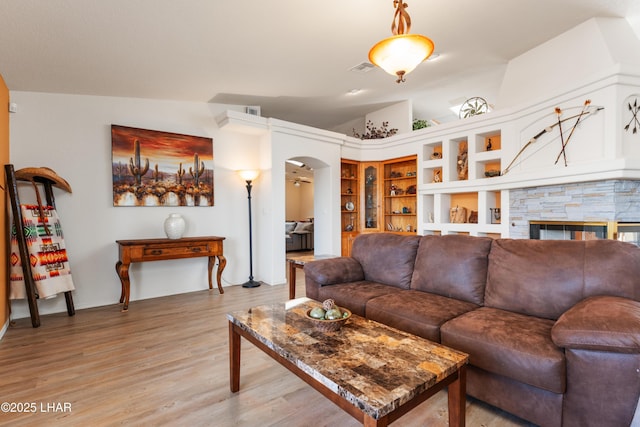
(249, 176)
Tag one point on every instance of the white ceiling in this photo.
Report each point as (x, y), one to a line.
(290, 57)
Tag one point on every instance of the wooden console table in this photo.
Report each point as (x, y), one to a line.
(143, 250)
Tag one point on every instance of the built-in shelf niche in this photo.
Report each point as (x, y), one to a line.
(432, 164)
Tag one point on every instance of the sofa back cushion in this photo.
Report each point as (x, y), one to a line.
(386, 258)
(612, 268)
(545, 278)
(453, 265)
(303, 227)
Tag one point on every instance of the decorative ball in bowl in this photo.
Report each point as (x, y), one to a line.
(329, 317)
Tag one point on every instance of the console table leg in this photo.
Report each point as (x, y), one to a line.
(210, 265)
(123, 273)
(222, 263)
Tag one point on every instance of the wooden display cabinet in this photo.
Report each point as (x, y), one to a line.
(371, 197)
(349, 192)
(400, 188)
(367, 204)
(349, 203)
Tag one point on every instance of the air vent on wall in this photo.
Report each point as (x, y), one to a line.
(363, 67)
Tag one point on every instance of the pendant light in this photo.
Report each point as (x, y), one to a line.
(401, 53)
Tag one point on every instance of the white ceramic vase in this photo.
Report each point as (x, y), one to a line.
(174, 226)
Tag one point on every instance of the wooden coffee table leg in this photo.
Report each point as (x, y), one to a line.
(457, 399)
(372, 422)
(234, 358)
(292, 279)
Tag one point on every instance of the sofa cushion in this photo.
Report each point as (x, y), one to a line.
(542, 278)
(416, 312)
(510, 344)
(386, 258)
(355, 295)
(289, 226)
(303, 227)
(601, 323)
(453, 266)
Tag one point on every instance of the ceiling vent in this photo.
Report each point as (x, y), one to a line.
(363, 67)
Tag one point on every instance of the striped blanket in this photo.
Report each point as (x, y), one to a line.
(47, 254)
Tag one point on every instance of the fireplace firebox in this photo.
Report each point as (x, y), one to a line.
(577, 230)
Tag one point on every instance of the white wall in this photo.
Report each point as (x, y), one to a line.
(299, 201)
(398, 115)
(581, 54)
(320, 150)
(71, 134)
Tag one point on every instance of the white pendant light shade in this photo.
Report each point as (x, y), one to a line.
(401, 54)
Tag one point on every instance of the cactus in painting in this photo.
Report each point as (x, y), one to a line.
(197, 170)
(156, 174)
(180, 174)
(136, 169)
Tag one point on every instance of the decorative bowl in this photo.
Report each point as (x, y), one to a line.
(329, 325)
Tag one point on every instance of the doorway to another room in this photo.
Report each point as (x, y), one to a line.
(299, 207)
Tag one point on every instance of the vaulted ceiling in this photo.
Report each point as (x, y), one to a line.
(290, 57)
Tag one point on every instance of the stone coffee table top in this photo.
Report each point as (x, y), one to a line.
(374, 367)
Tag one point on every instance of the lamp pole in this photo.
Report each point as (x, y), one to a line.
(249, 177)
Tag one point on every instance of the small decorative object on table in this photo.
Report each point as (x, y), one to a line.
(174, 226)
(329, 317)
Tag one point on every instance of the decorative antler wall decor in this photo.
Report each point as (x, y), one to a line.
(587, 111)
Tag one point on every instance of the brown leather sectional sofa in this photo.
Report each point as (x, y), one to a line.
(552, 327)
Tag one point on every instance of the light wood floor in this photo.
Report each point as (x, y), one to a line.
(165, 362)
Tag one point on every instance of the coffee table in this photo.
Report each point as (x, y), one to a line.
(373, 372)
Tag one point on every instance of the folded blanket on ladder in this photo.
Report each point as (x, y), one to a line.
(47, 254)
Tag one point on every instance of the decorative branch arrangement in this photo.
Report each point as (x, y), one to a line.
(587, 110)
(375, 133)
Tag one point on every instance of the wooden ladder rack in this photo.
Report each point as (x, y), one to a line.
(31, 175)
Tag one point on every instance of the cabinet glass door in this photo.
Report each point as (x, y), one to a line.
(371, 197)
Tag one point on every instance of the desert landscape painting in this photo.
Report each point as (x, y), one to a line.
(155, 168)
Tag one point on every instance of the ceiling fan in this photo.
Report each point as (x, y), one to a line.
(304, 180)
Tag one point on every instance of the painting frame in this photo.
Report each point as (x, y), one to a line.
(151, 168)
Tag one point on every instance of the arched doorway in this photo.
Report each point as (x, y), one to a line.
(299, 207)
(315, 195)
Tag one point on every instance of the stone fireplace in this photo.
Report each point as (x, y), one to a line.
(597, 201)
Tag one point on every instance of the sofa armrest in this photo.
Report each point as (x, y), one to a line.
(334, 270)
(601, 323)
